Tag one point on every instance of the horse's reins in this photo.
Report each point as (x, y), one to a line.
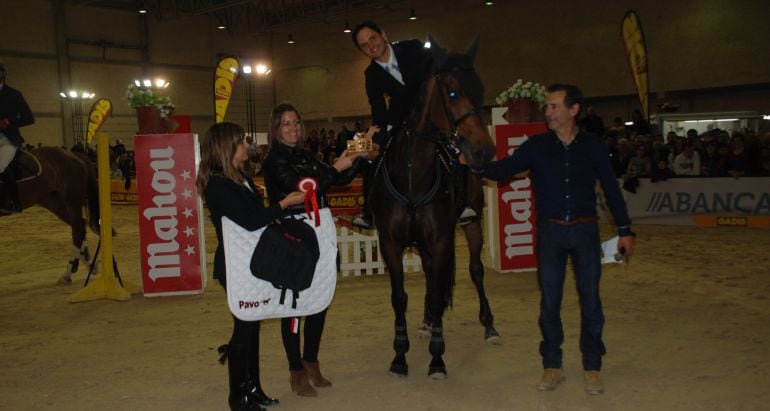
(453, 135)
(475, 111)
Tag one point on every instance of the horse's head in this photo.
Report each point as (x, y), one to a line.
(453, 96)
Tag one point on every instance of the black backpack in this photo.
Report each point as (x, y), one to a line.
(286, 256)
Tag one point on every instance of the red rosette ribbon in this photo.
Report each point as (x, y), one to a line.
(308, 186)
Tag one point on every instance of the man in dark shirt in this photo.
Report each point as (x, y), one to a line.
(14, 113)
(564, 165)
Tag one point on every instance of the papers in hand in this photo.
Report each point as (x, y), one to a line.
(610, 251)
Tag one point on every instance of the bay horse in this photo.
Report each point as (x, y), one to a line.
(413, 196)
(64, 183)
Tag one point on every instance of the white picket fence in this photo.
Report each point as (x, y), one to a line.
(359, 254)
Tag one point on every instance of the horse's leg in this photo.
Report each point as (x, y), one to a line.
(74, 218)
(424, 329)
(392, 255)
(475, 240)
(440, 277)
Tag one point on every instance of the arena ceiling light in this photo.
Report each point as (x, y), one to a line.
(291, 39)
(413, 16)
(347, 28)
(489, 2)
(262, 69)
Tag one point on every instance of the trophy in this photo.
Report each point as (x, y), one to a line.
(360, 144)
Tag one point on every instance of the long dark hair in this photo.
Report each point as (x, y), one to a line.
(217, 151)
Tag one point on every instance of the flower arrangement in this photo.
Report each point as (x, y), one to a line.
(139, 95)
(520, 89)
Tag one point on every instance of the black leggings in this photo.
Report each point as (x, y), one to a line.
(314, 327)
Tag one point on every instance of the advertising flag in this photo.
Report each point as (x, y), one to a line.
(101, 109)
(636, 52)
(224, 77)
(171, 238)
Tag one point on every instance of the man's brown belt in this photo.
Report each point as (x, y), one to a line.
(577, 220)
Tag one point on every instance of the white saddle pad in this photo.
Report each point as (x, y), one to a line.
(252, 299)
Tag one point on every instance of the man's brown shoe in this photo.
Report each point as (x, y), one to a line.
(551, 378)
(594, 384)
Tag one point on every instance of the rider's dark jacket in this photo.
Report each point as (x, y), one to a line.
(15, 112)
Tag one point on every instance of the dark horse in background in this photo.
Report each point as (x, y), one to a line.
(64, 183)
(413, 199)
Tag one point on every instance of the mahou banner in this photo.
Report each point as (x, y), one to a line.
(515, 203)
(172, 245)
(224, 78)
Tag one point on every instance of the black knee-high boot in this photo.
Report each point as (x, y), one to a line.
(254, 387)
(238, 373)
(11, 203)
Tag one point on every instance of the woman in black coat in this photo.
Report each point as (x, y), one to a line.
(229, 193)
(287, 163)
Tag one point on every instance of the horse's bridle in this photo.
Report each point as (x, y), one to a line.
(475, 111)
(454, 133)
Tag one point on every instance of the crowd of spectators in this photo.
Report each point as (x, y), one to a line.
(639, 151)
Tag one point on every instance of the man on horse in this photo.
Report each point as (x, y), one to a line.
(14, 113)
(393, 81)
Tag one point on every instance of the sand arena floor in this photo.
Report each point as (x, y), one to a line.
(688, 328)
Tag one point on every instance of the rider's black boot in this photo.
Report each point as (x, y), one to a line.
(465, 214)
(11, 203)
(365, 220)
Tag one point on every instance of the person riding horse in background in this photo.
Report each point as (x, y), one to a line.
(393, 80)
(14, 113)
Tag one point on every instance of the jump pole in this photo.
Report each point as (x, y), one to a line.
(106, 285)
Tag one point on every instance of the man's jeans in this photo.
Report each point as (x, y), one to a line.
(554, 244)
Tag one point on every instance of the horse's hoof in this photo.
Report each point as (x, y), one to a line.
(438, 374)
(492, 337)
(423, 330)
(64, 280)
(399, 370)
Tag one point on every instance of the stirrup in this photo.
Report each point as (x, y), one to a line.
(467, 216)
(361, 221)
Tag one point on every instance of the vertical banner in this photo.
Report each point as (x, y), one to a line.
(636, 53)
(224, 78)
(100, 110)
(513, 205)
(171, 242)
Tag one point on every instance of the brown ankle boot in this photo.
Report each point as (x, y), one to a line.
(300, 383)
(314, 372)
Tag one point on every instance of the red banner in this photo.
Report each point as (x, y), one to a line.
(170, 214)
(515, 203)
